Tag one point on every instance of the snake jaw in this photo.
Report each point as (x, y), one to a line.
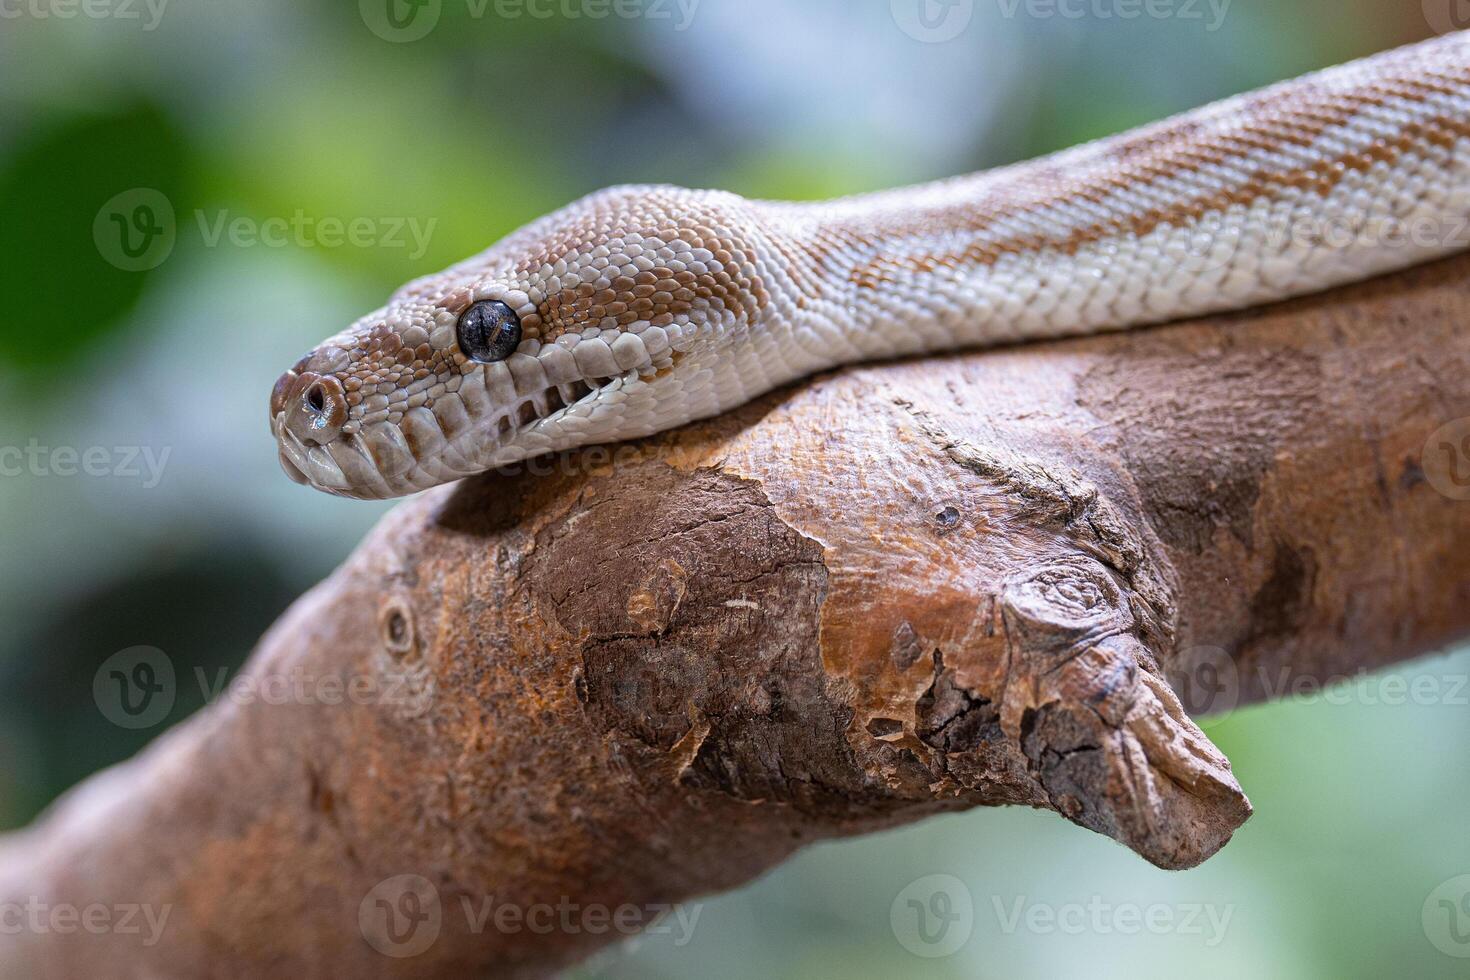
(611, 295)
(498, 414)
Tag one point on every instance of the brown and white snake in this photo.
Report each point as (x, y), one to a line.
(637, 309)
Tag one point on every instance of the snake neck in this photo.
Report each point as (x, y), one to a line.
(1327, 179)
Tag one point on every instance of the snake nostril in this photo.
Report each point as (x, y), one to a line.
(317, 409)
(316, 398)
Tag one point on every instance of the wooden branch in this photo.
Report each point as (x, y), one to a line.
(655, 672)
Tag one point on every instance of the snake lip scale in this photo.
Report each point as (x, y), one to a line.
(377, 463)
(640, 308)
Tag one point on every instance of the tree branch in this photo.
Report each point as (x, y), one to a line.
(658, 670)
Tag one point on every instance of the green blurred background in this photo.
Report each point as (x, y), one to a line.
(270, 110)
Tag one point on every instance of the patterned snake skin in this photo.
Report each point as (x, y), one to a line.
(637, 309)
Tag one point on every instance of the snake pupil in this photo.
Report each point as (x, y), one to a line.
(489, 331)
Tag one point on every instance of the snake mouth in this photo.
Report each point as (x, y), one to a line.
(465, 433)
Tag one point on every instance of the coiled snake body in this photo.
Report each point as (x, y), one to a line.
(637, 309)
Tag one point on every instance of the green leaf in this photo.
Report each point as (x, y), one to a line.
(85, 222)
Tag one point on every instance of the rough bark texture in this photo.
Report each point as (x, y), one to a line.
(890, 592)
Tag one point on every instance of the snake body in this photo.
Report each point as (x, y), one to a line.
(641, 308)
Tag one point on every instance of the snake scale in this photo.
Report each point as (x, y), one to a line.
(639, 308)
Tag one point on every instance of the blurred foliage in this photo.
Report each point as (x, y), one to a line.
(191, 604)
(64, 298)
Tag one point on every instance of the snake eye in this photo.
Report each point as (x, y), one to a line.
(489, 331)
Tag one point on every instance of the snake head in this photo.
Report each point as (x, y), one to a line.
(598, 323)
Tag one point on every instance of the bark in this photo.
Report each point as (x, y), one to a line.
(894, 591)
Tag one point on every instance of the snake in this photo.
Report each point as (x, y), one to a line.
(640, 308)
